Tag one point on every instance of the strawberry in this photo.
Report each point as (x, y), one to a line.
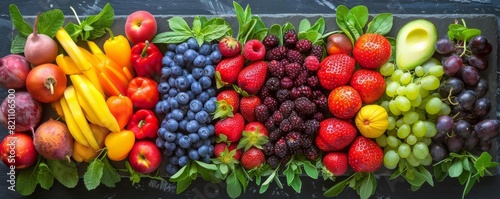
(254, 134)
(365, 155)
(247, 107)
(372, 50)
(254, 50)
(225, 152)
(252, 77)
(227, 104)
(336, 70)
(335, 163)
(252, 158)
(335, 134)
(370, 85)
(344, 102)
(229, 46)
(226, 71)
(231, 128)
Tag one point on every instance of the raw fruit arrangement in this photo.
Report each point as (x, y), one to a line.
(272, 100)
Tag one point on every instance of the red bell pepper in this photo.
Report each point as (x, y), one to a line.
(146, 59)
(144, 124)
(143, 92)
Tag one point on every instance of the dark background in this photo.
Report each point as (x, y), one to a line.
(450, 188)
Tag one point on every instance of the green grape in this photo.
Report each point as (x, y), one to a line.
(403, 131)
(416, 102)
(403, 103)
(392, 132)
(381, 140)
(420, 150)
(419, 71)
(427, 140)
(401, 90)
(387, 69)
(405, 78)
(385, 104)
(394, 108)
(410, 117)
(412, 161)
(399, 122)
(392, 141)
(391, 159)
(423, 93)
(436, 71)
(433, 106)
(404, 150)
(419, 128)
(412, 91)
(421, 114)
(431, 129)
(392, 123)
(392, 89)
(411, 139)
(396, 75)
(427, 160)
(445, 109)
(429, 83)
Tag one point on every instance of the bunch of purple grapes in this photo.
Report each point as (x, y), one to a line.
(468, 126)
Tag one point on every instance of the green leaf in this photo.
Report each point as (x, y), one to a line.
(44, 176)
(418, 179)
(304, 25)
(276, 30)
(240, 15)
(466, 164)
(341, 15)
(73, 30)
(392, 41)
(215, 32)
(50, 21)
(289, 174)
(336, 189)
(240, 174)
(100, 22)
(93, 175)
(196, 25)
(296, 184)
(439, 174)
(426, 174)
(366, 188)
(462, 179)
(18, 44)
(455, 169)
(183, 185)
(263, 188)
(27, 180)
(109, 174)
(287, 26)
(381, 24)
(171, 37)
(19, 23)
(233, 186)
(206, 166)
(468, 186)
(470, 33)
(311, 170)
(178, 24)
(65, 172)
(223, 168)
(361, 14)
(319, 26)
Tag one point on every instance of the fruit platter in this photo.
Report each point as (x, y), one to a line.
(249, 100)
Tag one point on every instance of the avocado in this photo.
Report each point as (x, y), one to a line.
(415, 43)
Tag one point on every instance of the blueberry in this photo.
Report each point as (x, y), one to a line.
(160, 143)
(171, 169)
(183, 124)
(199, 143)
(195, 105)
(165, 96)
(174, 160)
(211, 129)
(191, 95)
(166, 61)
(179, 135)
(203, 150)
(173, 103)
(215, 47)
(190, 79)
(163, 87)
(179, 60)
(181, 48)
(205, 49)
(199, 61)
(193, 44)
(192, 126)
(181, 83)
(171, 82)
(182, 98)
(189, 55)
(184, 142)
(194, 137)
(176, 71)
(172, 125)
(168, 153)
(210, 150)
(183, 161)
(209, 71)
(207, 142)
(198, 73)
(190, 115)
(171, 47)
(158, 108)
(211, 92)
(164, 78)
(215, 56)
(208, 61)
(177, 114)
(203, 132)
(205, 82)
(202, 117)
(180, 151)
(206, 159)
(196, 88)
(169, 136)
(193, 154)
(209, 106)
(170, 146)
(170, 54)
(161, 132)
(166, 71)
(203, 96)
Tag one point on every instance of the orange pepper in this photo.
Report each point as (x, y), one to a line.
(121, 107)
(82, 153)
(119, 50)
(119, 144)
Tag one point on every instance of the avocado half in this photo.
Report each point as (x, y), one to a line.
(415, 43)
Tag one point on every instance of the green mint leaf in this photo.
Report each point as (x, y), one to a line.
(455, 169)
(199, 39)
(289, 174)
(215, 32)
(73, 30)
(49, 22)
(319, 26)
(19, 23)
(18, 44)
(341, 19)
(240, 15)
(439, 174)
(196, 25)
(171, 37)
(455, 31)
(246, 32)
(313, 36)
(311, 170)
(65, 172)
(233, 186)
(483, 161)
(183, 185)
(101, 21)
(361, 15)
(27, 181)
(178, 24)
(93, 175)
(417, 180)
(242, 178)
(304, 25)
(109, 174)
(221, 22)
(44, 176)
(336, 189)
(381, 24)
(296, 184)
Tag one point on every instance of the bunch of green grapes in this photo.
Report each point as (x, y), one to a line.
(413, 104)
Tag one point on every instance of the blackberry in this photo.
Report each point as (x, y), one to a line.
(271, 103)
(282, 95)
(295, 120)
(270, 41)
(304, 106)
(286, 83)
(275, 135)
(301, 91)
(273, 161)
(268, 149)
(317, 51)
(270, 125)
(311, 127)
(303, 46)
(313, 81)
(318, 116)
(321, 102)
(292, 70)
(286, 159)
(286, 125)
(261, 113)
(301, 79)
(273, 83)
(295, 56)
(264, 92)
(293, 141)
(276, 69)
(311, 153)
(305, 141)
(290, 38)
(277, 53)
(280, 148)
(277, 117)
(284, 62)
(286, 108)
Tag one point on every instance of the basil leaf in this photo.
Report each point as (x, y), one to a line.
(171, 37)
(44, 176)
(49, 22)
(93, 175)
(215, 32)
(19, 23)
(196, 25)
(361, 14)
(381, 24)
(18, 44)
(65, 172)
(178, 24)
(276, 30)
(366, 188)
(304, 25)
(27, 181)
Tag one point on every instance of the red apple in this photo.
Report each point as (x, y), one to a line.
(145, 157)
(17, 150)
(140, 26)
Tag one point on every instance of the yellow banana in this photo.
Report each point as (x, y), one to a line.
(80, 119)
(91, 116)
(57, 107)
(68, 67)
(95, 102)
(73, 127)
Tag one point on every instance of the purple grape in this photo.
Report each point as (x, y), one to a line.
(487, 129)
(482, 107)
(481, 87)
(462, 128)
(487, 50)
(438, 152)
(466, 99)
(478, 62)
(445, 46)
(454, 143)
(452, 64)
(484, 145)
(444, 124)
(478, 44)
(471, 142)
(452, 85)
(470, 75)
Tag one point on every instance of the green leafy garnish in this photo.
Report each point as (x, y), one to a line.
(136, 177)
(365, 185)
(293, 170)
(190, 172)
(65, 172)
(312, 33)
(100, 171)
(94, 26)
(249, 26)
(415, 176)
(460, 33)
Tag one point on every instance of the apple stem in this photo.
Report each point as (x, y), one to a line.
(76, 15)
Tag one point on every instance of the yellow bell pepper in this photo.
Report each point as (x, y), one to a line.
(119, 144)
(119, 50)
